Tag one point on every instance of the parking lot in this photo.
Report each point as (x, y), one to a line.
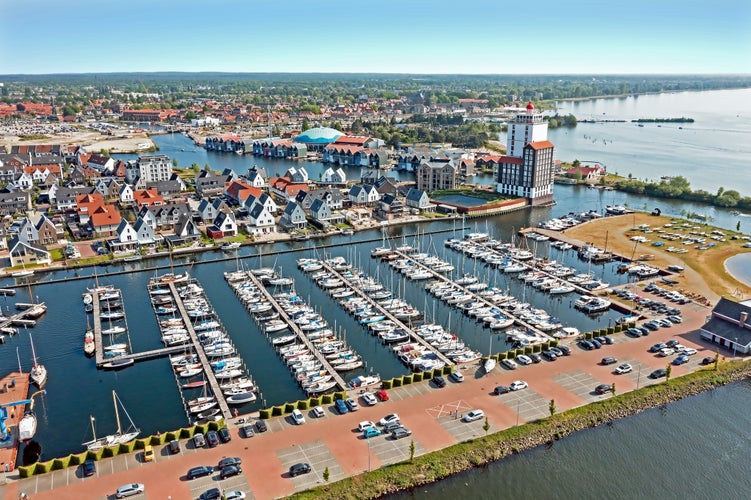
(201, 484)
(462, 430)
(318, 455)
(528, 404)
(389, 450)
(582, 384)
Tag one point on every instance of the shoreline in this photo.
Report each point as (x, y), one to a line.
(746, 281)
(636, 94)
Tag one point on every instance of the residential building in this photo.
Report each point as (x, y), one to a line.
(224, 225)
(331, 176)
(293, 218)
(149, 168)
(22, 253)
(419, 200)
(437, 174)
(260, 221)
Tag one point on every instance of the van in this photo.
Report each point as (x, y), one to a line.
(174, 446)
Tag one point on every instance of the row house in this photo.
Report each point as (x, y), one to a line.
(256, 177)
(125, 195)
(147, 198)
(265, 200)
(297, 175)
(224, 226)
(209, 183)
(37, 229)
(86, 204)
(22, 254)
(332, 197)
(104, 220)
(168, 189)
(488, 162)
(227, 143)
(284, 190)
(37, 150)
(322, 215)
(363, 195)
(279, 148)
(208, 210)
(129, 238)
(386, 185)
(101, 163)
(409, 162)
(83, 174)
(40, 173)
(64, 198)
(389, 207)
(238, 192)
(260, 220)
(331, 176)
(346, 155)
(22, 182)
(293, 218)
(109, 188)
(145, 115)
(164, 216)
(358, 141)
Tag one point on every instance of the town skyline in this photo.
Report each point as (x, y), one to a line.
(392, 38)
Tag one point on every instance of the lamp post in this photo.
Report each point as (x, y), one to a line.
(735, 344)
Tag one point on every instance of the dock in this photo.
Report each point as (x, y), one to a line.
(412, 335)
(13, 387)
(299, 333)
(20, 318)
(208, 371)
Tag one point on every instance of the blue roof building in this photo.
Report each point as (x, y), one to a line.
(319, 137)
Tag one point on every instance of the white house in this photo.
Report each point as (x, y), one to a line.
(260, 221)
(331, 176)
(363, 195)
(144, 232)
(126, 194)
(125, 233)
(256, 179)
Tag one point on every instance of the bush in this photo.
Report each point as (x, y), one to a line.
(554, 343)
(417, 377)
(42, 467)
(528, 350)
(447, 369)
(276, 411)
(315, 402)
(387, 384)
(536, 348)
(327, 399)
(60, 463)
(26, 471)
(109, 452)
(187, 432)
(340, 395)
(129, 447)
(264, 414)
(588, 336)
(288, 407)
(407, 379)
(170, 436)
(397, 382)
(303, 405)
(77, 459)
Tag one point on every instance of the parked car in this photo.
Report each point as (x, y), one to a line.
(456, 376)
(198, 440)
(247, 430)
(341, 406)
(707, 361)
(633, 332)
(671, 343)
(557, 351)
(391, 417)
(261, 426)
(523, 359)
(661, 372)
(624, 368)
(501, 389)
(439, 381)
(148, 453)
(369, 399)
(474, 415)
(351, 404)
(129, 490)
(518, 385)
(657, 347)
(667, 351)
(586, 345)
(318, 411)
(688, 351)
(174, 446)
(212, 438)
(232, 470)
(226, 462)
(608, 340)
(200, 471)
(535, 358)
(364, 425)
(566, 350)
(89, 468)
(596, 343)
(681, 360)
(392, 426)
(234, 495)
(371, 432)
(509, 363)
(400, 432)
(382, 395)
(608, 360)
(212, 494)
(297, 417)
(224, 435)
(603, 388)
(549, 355)
(298, 469)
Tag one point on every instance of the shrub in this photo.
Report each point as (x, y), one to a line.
(129, 447)
(187, 432)
(610, 330)
(264, 414)
(42, 467)
(26, 471)
(288, 407)
(77, 459)
(528, 350)
(327, 399)
(60, 463)
(536, 348)
(303, 405)
(315, 402)
(417, 377)
(407, 379)
(588, 336)
(276, 411)
(447, 369)
(108, 452)
(387, 384)
(170, 436)
(397, 382)
(554, 343)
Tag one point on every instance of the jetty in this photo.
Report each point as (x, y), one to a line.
(389, 315)
(21, 318)
(14, 387)
(298, 332)
(98, 336)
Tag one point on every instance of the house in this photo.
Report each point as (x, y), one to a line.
(125, 194)
(386, 185)
(37, 229)
(297, 175)
(284, 189)
(185, 231)
(13, 203)
(729, 326)
(224, 225)
(332, 197)
(389, 206)
(126, 238)
(256, 179)
(144, 232)
(209, 183)
(108, 187)
(589, 174)
(23, 181)
(331, 176)
(167, 189)
(238, 192)
(86, 204)
(208, 210)
(104, 220)
(363, 194)
(419, 200)
(322, 215)
(147, 198)
(165, 216)
(22, 254)
(102, 164)
(293, 218)
(82, 174)
(260, 221)
(65, 197)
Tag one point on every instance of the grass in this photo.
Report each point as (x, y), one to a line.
(473, 193)
(32, 137)
(442, 463)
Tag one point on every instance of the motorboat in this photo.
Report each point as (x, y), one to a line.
(194, 385)
(364, 381)
(240, 398)
(116, 347)
(115, 330)
(230, 246)
(191, 372)
(202, 407)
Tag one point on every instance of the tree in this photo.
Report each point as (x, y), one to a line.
(196, 167)
(486, 425)
(612, 388)
(667, 373)
(207, 168)
(191, 115)
(716, 360)
(576, 163)
(411, 450)
(326, 474)
(305, 124)
(738, 227)
(551, 407)
(174, 162)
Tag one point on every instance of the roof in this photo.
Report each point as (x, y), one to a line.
(415, 194)
(537, 145)
(513, 160)
(319, 135)
(105, 215)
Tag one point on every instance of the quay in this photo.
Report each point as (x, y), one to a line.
(14, 387)
(97, 311)
(298, 332)
(20, 318)
(444, 279)
(412, 335)
(209, 372)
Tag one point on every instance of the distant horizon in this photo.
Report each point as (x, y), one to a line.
(436, 37)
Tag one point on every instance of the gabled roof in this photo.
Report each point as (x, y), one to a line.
(105, 215)
(537, 145)
(415, 194)
(512, 160)
(256, 210)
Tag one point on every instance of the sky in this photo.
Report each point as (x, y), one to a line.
(377, 36)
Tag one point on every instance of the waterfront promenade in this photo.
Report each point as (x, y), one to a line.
(431, 413)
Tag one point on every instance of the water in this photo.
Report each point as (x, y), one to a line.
(740, 267)
(695, 448)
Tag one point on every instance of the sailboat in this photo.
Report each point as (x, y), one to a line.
(89, 346)
(490, 362)
(117, 438)
(38, 373)
(27, 426)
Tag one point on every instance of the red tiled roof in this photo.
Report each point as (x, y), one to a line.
(537, 145)
(105, 215)
(513, 160)
(349, 139)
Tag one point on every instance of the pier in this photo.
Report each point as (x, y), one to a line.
(299, 333)
(20, 318)
(412, 335)
(98, 338)
(208, 371)
(14, 387)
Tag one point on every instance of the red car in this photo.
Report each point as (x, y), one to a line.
(382, 395)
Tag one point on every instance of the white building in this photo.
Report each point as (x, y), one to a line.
(150, 168)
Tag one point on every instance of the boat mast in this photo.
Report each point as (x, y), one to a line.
(33, 352)
(117, 413)
(93, 430)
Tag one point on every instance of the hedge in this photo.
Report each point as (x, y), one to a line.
(303, 405)
(406, 379)
(417, 377)
(276, 411)
(327, 399)
(397, 382)
(288, 407)
(387, 384)
(264, 414)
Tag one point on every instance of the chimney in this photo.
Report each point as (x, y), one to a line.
(743, 319)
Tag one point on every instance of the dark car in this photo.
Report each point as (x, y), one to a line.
(200, 471)
(439, 381)
(501, 389)
(608, 340)
(226, 462)
(633, 332)
(657, 347)
(549, 355)
(535, 358)
(400, 432)
(557, 351)
(174, 446)
(644, 331)
(341, 406)
(603, 388)
(248, 430)
(608, 360)
(586, 344)
(89, 468)
(658, 373)
(707, 361)
(671, 343)
(566, 350)
(392, 426)
(232, 470)
(596, 343)
(298, 469)
(261, 426)
(212, 494)
(224, 435)
(212, 438)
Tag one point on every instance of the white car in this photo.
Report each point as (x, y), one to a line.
(474, 415)
(391, 417)
(129, 490)
(523, 359)
(364, 425)
(666, 351)
(518, 385)
(624, 368)
(510, 364)
(298, 417)
(688, 351)
(318, 412)
(369, 399)
(234, 495)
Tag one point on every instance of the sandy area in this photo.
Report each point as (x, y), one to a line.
(704, 274)
(93, 141)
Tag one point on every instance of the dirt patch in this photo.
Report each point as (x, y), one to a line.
(704, 273)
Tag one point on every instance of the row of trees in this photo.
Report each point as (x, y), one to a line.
(680, 188)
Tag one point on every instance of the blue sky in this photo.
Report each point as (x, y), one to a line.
(387, 36)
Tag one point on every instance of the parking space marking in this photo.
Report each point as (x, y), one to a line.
(527, 403)
(448, 409)
(319, 456)
(580, 383)
(461, 430)
(389, 450)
